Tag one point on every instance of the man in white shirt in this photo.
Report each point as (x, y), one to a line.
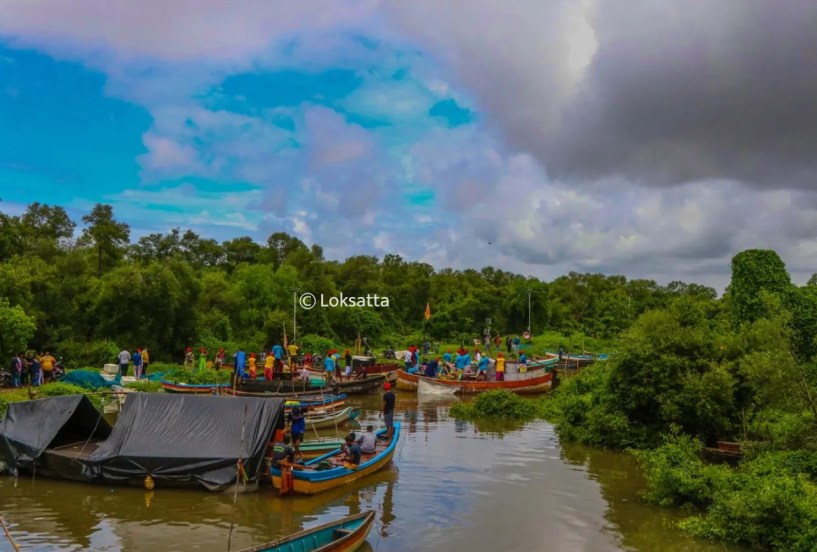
(367, 441)
(124, 360)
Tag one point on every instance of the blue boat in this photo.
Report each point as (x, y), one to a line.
(344, 535)
(329, 471)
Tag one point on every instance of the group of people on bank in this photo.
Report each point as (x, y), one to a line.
(32, 369)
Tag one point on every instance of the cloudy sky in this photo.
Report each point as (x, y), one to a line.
(646, 138)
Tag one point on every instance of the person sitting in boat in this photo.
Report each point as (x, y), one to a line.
(431, 368)
(352, 453)
(368, 441)
(482, 366)
(297, 422)
(447, 357)
(523, 363)
(282, 451)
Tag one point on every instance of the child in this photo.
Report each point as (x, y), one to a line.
(252, 362)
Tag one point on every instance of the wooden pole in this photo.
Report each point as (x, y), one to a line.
(8, 535)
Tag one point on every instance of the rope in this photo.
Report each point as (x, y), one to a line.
(8, 535)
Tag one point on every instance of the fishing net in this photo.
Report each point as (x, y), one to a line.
(87, 379)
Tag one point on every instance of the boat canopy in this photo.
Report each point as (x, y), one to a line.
(30, 427)
(187, 437)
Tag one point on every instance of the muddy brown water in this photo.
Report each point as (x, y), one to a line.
(455, 486)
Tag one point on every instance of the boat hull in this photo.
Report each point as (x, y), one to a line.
(331, 420)
(406, 381)
(191, 389)
(325, 538)
(538, 382)
(314, 482)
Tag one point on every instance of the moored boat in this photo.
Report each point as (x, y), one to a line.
(193, 389)
(406, 381)
(308, 479)
(332, 419)
(343, 535)
(350, 387)
(532, 381)
(313, 449)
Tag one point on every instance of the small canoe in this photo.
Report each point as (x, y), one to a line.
(194, 389)
(330, 420)
(310, 479)
(344, 535)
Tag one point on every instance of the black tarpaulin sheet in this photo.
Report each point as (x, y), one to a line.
(30, 427)
(187, 438)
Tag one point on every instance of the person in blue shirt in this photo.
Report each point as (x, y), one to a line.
(431, 368)
(329, 368)
(447, 357)
(523, 363)
(137, 363)
(483, 367)
(240, 363)
(516, 344)
(298, 427)
(278, 352)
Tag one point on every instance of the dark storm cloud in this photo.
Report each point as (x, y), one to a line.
(680, 91)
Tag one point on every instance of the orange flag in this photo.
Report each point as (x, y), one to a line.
(428, 311)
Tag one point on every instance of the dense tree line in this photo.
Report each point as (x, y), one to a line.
(88, 289)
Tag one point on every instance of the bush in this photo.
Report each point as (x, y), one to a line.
(145, 386)
(197, 377)
(312, 343)
(93, 353)
(677, 476)
(58, 389)
(496, 404)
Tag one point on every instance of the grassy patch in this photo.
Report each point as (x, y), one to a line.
(497, 404)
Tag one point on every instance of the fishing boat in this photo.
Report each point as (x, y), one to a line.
(193, 389)
(329, 403)
(351, 387)
(313, 449)
(332, 419)
(406, 381)
(424, 387)
(343, 535)
(532, 381)
(310, 478)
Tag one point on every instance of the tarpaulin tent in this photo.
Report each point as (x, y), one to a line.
(30, 427)
(187, 438)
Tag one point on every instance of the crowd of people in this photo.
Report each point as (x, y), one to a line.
(140, 360)
(33, 369)
(462, 364)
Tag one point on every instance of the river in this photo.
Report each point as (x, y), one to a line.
(454, 486)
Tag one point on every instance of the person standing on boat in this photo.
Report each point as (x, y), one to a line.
(278, 351)
(297, 422)
(269, 361)
(253, 362)
(329, 368)
(500, 367)
(483, 365)
(432, 367)
(407, 359)
(240, 360)
(292, 351)
(308, 360)
(124, 361)
(388, 409)
(348, 358)
(137, 363)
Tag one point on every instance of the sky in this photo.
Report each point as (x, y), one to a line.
(653, 139)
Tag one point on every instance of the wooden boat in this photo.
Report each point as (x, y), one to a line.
(317, 404)
(406, 381)
(532, 381)
(195, 389)
(332, 419)
(307, 479)
(369, 384)
(313, 449)
(343, 535)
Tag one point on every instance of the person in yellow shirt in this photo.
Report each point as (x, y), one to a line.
(500, 367)
(251, 362)
(47, 366)
(268, 364)
(292, 349)
(145, 361)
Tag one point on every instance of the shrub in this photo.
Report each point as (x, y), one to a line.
(495, 404)
(312, 343)
(197, 377)
(145, 386)
(93, 353)
(677, 476)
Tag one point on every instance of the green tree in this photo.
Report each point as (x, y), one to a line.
(16, 329)
(754, 271)
(107, 236)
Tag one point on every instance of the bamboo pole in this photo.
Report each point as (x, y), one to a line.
(8, 535)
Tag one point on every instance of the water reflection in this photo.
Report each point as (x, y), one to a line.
(454, 485)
